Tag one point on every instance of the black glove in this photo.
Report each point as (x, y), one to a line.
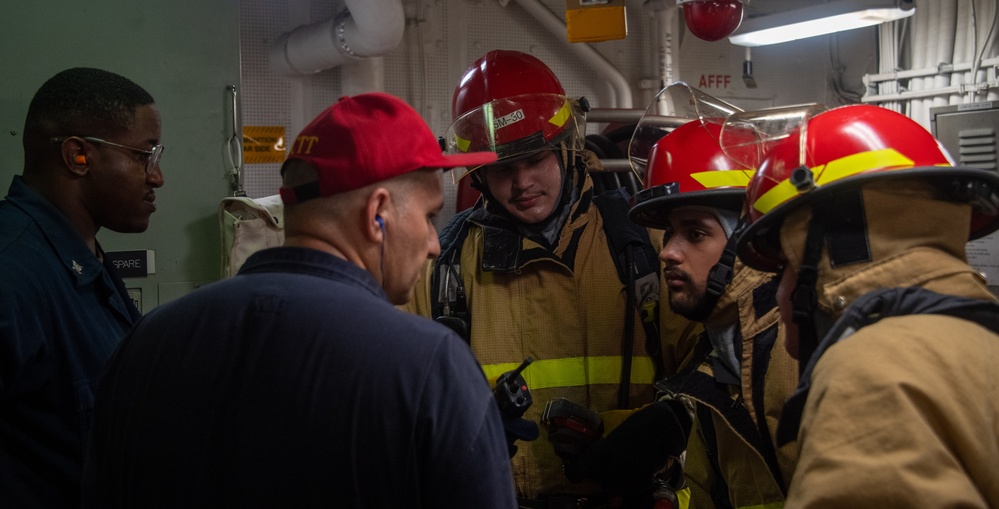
(571, 428)
(517, 428)
(627, 459)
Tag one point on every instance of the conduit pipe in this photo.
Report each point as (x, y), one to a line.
(927, 71)
(973, 88)
(366, 28)
(888, 38)
(947, 26)
(920, 47)
(963, 49)
(931, 41)
(619, 85)
(989, 46)
(665, 14)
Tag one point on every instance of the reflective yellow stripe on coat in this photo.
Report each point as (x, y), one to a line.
(576, 371)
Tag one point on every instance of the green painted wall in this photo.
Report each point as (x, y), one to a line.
(185, 53)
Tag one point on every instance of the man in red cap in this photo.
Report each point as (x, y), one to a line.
(297, 383)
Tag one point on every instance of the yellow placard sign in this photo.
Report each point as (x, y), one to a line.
(264, 144)
(595, 20)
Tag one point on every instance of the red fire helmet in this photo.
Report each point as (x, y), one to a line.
(688, 167)
(850, 146)
(511, 103)
(676, 150)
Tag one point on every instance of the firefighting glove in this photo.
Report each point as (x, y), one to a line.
(626, 461)
(571, 428)
(517, 428)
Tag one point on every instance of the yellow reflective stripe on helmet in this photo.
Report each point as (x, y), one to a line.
(561, 115)
(779, 194)
(462, 143)
(576, 371)
(723, 178)
(887, 158)
(834, 170)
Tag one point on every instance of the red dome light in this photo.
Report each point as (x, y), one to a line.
(712, 20)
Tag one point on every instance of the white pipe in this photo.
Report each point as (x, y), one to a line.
(982, 28)
(977, 88)
(989, 12)
(993, 49)
(887, 39)
(611, 116)
(927, 71)
(596, 61)
(665, 14)
(366, 28)
(366, 75)
(961, 43)
(920, 55)
(947, 23)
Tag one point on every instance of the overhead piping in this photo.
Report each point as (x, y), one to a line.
(365, 28)
(665, 13)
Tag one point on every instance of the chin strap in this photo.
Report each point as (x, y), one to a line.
(720, 275)
(839, 225)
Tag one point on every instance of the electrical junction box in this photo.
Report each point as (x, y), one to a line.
(595, 20)
(969, 133)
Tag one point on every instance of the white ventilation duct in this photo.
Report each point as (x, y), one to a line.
(365, 28)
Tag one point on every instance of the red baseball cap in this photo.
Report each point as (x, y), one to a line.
(368, 138)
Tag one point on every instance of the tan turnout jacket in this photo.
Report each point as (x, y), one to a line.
(733, 455)
(565, 308)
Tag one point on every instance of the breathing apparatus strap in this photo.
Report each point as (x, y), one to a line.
(869, 309)
(448, 303)
(637, 264)
(805, 297)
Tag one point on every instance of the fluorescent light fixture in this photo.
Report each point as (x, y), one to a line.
(820, 19)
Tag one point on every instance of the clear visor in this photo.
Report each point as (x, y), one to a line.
(747, 137)
(674, 106)
(516, 127)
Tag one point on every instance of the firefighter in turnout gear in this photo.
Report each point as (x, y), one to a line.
(867, 217)
(734, 385)
(529, 270)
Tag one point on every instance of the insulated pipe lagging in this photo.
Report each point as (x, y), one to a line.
(366, 28)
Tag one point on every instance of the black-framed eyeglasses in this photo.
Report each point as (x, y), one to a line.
(153, 156)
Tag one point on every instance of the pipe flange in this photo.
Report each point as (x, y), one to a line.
(340, 28)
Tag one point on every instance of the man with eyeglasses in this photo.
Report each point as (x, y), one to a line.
(91, 161)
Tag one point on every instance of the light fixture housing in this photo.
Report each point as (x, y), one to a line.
(820, 19)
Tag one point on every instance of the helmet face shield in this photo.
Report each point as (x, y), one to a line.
(747, 137)
(517, 126)
(681, 159)
(675, 105)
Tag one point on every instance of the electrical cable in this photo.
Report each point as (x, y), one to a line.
(844, 95)
(979, 55)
